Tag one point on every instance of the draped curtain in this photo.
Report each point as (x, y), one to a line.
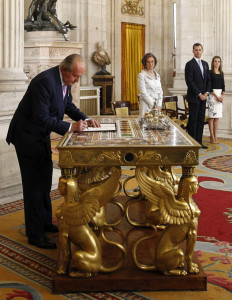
(133, 49)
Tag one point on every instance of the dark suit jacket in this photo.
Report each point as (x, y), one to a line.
(42, 110)
(195, 82)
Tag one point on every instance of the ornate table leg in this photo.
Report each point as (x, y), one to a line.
(178, 212)
(85, 192)
(188, 186)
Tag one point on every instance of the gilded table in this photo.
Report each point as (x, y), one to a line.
(117, 251)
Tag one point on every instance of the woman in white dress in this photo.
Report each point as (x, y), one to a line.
(215, 98)
(151, 93)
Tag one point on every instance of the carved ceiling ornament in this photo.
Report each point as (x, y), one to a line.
(133, 7)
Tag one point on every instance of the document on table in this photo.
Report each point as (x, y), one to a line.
(104, 127)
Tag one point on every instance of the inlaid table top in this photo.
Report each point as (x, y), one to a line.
(130, 144)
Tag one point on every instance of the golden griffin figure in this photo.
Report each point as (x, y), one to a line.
(84, 195)
(152, 213)
(180, 214)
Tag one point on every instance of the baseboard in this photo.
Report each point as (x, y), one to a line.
(11, 193)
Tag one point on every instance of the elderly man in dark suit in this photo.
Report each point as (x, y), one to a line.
(198, 82)
(41, 111)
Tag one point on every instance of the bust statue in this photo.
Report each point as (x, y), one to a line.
(42, 16)
(101, 58)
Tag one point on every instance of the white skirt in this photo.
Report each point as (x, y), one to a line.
(214, 107)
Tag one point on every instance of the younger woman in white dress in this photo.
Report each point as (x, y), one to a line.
(149, 85)
(215, 99)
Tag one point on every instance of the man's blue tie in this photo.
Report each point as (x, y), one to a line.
(201, 67)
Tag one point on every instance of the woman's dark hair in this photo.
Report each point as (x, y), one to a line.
(146, 56)
(212, 66)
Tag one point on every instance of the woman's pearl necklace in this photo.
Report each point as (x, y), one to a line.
(150, 74)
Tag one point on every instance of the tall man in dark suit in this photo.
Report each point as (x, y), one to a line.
(197, 78)
(41, 111)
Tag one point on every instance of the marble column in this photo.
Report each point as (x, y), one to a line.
(12, 87)
(223, 48)
(223, 32)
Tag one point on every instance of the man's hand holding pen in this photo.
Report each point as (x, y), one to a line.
(78, 126)
(92, 123)
(82, 125)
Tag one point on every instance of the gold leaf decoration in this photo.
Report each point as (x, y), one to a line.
(132, 7)
(109, 156)
(66, 158)
(191, 157)
(149, 155)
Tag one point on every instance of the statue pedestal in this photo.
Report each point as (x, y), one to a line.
(46, 49)
(106, 82)
(129, 277)
(45, 36)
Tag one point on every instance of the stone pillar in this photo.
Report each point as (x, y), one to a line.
(12, 87)
(223, 32)
(190, 29)
(223, 47)
(12, 77)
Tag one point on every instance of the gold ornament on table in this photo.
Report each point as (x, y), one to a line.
(180, 214)
(154, 119)
(79, 247)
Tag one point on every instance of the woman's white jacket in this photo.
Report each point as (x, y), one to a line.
(150, 91)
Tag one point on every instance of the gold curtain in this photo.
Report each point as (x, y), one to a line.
(133, 49)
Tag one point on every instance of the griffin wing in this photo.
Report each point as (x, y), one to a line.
(146, 185)
(94, 174)
(162, 195)
(173, 211)
(109, 185)
(82, 212)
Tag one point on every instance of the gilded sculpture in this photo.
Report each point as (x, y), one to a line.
(94, 176)
(152, 211)
(181, 214)
(79, 208)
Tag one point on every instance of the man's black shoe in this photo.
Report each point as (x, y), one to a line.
(204, 147)
(51, 228)
(42, 242)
